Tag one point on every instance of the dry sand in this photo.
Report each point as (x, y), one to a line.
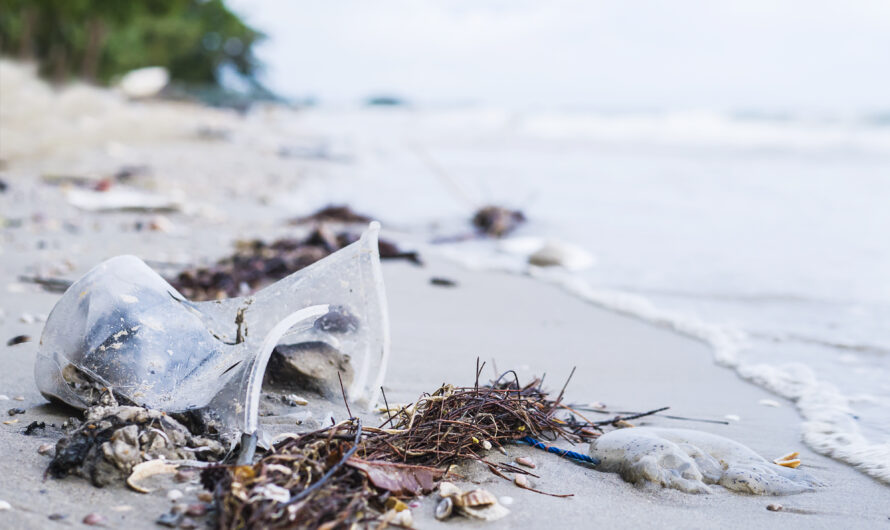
(437, 333)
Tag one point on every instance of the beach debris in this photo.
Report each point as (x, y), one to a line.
(115, 439)
(774, 507)
(19, 398)
(144, 82)
(344, 473)
(33, 426)
(4, 397)
(123, 199)
(334, 214)
(733, 417)
(497, 221)
(18, 339)
(400, 479)
(791, 460)
(561, 254)
(3, 186)
(196, 509)
(769, 403)
(521, 481)
(256, 264)
(442, 282)
(10, 422)
(45, 449)
(4, 506)
(475, 504)
(94, 519)
(444, 509)
(171, 519)
(174, 495)
(545, 252)
(123, 327)
(148, 469)
(52, 285)
(690, 461)
(527, 462)
(622, 424)
(56, 516)
(15, 411)
(294, 400)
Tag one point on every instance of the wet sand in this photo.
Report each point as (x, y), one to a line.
(437, 332)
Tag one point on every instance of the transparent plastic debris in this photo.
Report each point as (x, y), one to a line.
(691, 461)
(124, 327)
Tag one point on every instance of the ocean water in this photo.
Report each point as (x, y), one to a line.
(766, 236)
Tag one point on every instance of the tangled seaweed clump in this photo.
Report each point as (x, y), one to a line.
(255, 264)
(349, 474)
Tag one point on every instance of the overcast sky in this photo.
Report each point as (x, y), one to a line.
(626, 54)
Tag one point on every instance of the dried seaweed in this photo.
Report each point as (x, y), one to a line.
(256, 263)
(344, 474)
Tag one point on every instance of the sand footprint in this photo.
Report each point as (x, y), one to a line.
(691, 460)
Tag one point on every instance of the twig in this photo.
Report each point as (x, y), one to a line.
(343, 391)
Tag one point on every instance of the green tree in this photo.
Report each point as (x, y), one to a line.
(101, 39)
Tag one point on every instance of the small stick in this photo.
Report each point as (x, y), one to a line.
(386, 403)
(631, 417)
(561, 392)
(343, 391)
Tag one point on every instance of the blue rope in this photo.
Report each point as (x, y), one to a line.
(571, 455)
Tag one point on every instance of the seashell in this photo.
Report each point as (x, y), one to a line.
(486, 445)
(521, 481)
(444, 509)
(527, 462)
(448, 489)
(475, 498)
(148, 469)
(789, 460)
(490, 512)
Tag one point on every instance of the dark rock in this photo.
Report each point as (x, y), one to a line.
(497, 221)
(310, 366)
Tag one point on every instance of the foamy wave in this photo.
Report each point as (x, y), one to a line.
(828, 428)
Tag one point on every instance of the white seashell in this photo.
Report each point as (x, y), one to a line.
(444, 509)
(148, 469)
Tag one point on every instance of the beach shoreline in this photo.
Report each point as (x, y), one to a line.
(510, 321)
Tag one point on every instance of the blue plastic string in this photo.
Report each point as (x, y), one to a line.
(571, 455)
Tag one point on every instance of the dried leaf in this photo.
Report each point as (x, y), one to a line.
(400, 479)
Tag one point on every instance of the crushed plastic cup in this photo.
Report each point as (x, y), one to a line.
(122, 326)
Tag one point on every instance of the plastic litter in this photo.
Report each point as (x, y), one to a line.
(124, 327)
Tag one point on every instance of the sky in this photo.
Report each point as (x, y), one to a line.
(768, 55)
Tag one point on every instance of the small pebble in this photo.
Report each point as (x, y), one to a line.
(18, 339)
(27, 318)
(94, 519)
(45, 449)
(171, 520)
(183, 476)
(521, 481)
(122, 508)
(10, 422)
(19, 398)
(502, 450)
(769, 403)
(486, 445)
(174, 495)
(205, 496)
(5, 506)
(196, 509)
(523, 461)
(57, 516)
(442, 282)
(15, 411)
(733, 417)
(293, 400)
(774, 507)
(4, 397)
